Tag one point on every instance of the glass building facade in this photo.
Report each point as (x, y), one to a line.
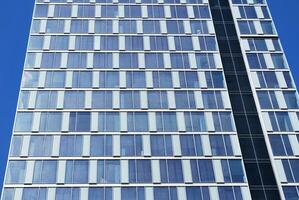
(154, 100)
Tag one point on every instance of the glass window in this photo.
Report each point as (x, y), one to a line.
(158, 43)
(130, 193)
(199, 27)
(74, 100)
(36, 43)
(101, 145)
(109, 43)
(51, 60)
(191, 145)
(16, 146)
(109, 11)
(63, 11)
(223, 121)
(41, 10)
(195, 121)
(67, 193)
(140, 171)
(108, 171)
(102, 60)
(50, 121)
(171, 171)
(281, 145)
(109, 121)
(166, 121)
(30, 79)
(134, 43)
(202, 171)
(59, 42)
(212, 100)
(183, 43)
(167, 193)
(184, 99)
(155, 11)
(77, 60)
(135, 79)
(40, 146)
(79, 26)
(129, 99)
(188, 80)
(82, 79)
(279, 61)
(23, 121)
(280, 120)
(16, 171)
(291, 100)
(201, 12)
(55, 26)
(208, 43)
(23, 100)
(131, 145)
(30, 61)
(103, 26)
(137, 121)
(179, 61)
(157, 99)
(175, 27)
(162, 79)
(101, 99)
(132, 11)
(34, 193)
(109, 79)
(154, 61)
(127, 26)
(46, 100)
(128, 60)
(79, 122)
(55, 79)
(76, 171)
(70, 145)
(205, 61)
(45, 171)
(179, 11)
(161, 145)
(151, 26)
(84, 43)
(221, 145)
(86, 11)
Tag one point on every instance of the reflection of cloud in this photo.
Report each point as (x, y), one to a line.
(27, 75)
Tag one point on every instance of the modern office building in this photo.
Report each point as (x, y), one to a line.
(154, 100)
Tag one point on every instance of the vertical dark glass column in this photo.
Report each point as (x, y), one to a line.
(258, 167)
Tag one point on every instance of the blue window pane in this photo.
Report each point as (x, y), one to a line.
(101, 145)
(194, 193)
(109, 79)
(96, 193)
(16, 171)
(71, 145)
(79, 122)
(109, 121)
(50, 122)
(102, 60)
(36, 43)
(102, 99)
(16, 146)
(23, 121)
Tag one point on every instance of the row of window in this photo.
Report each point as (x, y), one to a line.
(268, 79)
(276, 100)
(248, 1)
(284, 145)
(264, 61)
(252, 12)
(128, 99)
(126, 145)
(121, 26)
(281, 121)
(124, 121)
(81, 60)
(256, 27)
(129, 193)
(261, 44)
(129, 79)
(127, 11)
(125, 43)
(123, 1)
(125, 171)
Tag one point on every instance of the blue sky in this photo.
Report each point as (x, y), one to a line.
(15, 18)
